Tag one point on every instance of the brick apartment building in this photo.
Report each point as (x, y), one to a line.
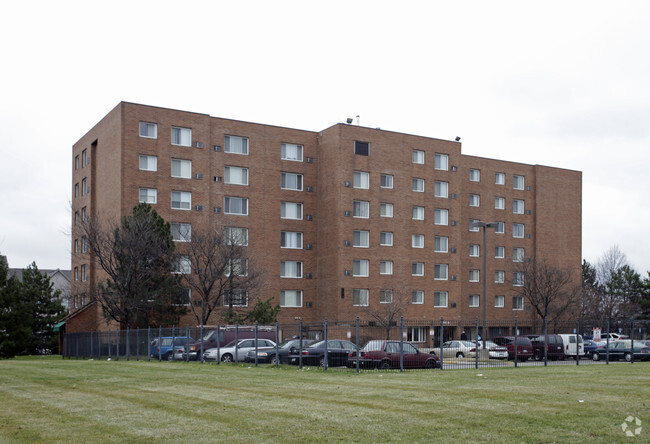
(336, 219)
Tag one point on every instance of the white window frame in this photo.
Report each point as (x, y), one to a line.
(228, 203)
(416, 334)
(151, 162)
(417, 185)
(386, 209)
(474, 175)
(361, 209)
(518, 254)
(360, 297)
(472, 227)
(151, 196)
(441, 189)
(295, 210)
(297, 178)
(385, 296)
(474, 275)
(183, 136)
(417, 297)
(238, 265)
(147, 126)
(183, 200)
(285, 154)
(500, 178)
(417, 269)
(518, 230)
(499, 277)
(385, 235)
(386, 267)
(183, 167)
(360, 268)
(417, 213)
(181, 232)
(499, 301)
(440, 299)
(417, 241)
(441, 244)
(500, 228)
(236, 234)
(474, 300)
(241, 173)
(518, 182)
(237, 299)
(518, 206)
(418, 157)
(441, 162)
(296, 298)
(474, 200)
(441, 272)
(291, 240)
(518, 303)
(288, 266)
(441, 216)
(386, 181)
(499, 203)
(499, 252)
(360, 238)
(474, 250)
(517, 279)
(183, 265)
(240, 148)
(361, 180)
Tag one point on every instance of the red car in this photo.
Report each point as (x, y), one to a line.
(524, 347)
(386, 354)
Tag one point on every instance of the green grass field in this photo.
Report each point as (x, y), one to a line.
(47, 399)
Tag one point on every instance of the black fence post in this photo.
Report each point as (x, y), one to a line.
(632, 341)
(357, 344)
(159, 343)
(137, 344)
(117, 344)
(256, 325)
(401, 345)
(607, 346)
(546, 342)
(516, 334)
(277, 343)
(187, 344)
(441, 338)
(148, 344)
(578, 338)
(478, 344)
(327, 354)
(128, 343)
(300, 345)
(91, 345)
(109, 344)
(201, 346)
(219, 344)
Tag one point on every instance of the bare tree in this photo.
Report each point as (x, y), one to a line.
(609, 263)
(551, 291)
(137, 256)
(392, 305)
(223, 276)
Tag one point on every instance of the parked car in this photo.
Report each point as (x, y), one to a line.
(496, 351)
(456, 349)
(622, 349)
(337, 353)
(235, 350)
(613, 337)
(163, 348)
(570, 347)
(524, 347)
(386, 354)
(554, 349)
(268, 354)
(225, 335)
(591, 345)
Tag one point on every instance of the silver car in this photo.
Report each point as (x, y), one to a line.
(235, 350)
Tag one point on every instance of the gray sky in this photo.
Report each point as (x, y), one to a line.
(558, 83)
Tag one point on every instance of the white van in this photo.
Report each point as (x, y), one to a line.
(569, 342)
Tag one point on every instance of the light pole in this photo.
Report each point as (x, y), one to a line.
(485, 226)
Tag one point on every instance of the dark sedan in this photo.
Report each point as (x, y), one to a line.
(386, 354)
(622, 350)
(337, 353)
(268, 354)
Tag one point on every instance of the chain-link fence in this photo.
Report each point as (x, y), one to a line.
(359, 345)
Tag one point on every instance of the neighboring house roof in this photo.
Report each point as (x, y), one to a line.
(60, 279)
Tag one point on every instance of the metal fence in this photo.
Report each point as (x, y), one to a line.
(436, 336)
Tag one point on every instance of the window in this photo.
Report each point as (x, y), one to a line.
(76, 217)
(499, 203)
(386, 181)
(148, 130)
(500, 228)
(291, 210)
(182, 168)
(440, 298)
(236, 236)
(291, 151)
(361, 179)
(85, 189)
(418, 156)
(518, 206)
(76, 162)
(474, 200)
(291, 239)
(290, 298)
(386, 239)
(474, 250)
(473, 227)
(517, 279)
(361, 208)
(385, 296)
(418, 185)
(76, 245)
(441, 244)
(148, 195)
(417, 297)
(84, 275)
(440, 272)
(416, 334)
(441, 189)
(360, 267)
(518, 182)
(236, 205)
(517, 254)
(236, 267)
(235, 175)
(474, 276)
(148, 163)
(474, 175)
(499, 277)
(441, 162)
(361, 148)
(417, 213)
(417, 269)
(84, 214)
(76, 273)
(236, 145)
(361, 238)
(76, 190)
(499, 301)
(440, 216)
(181, 200)
(236, 298)
(181, 232)
(500, 178)
(385, 267)
(417, 240)
(517, 230)
(291, 181)
(499, 252)
(291, 269)
(360, 297)
(386, 210)
(517, 302)
(181, 136)
(84, 244)
(474, 300)
(183, 265)
(85, 160)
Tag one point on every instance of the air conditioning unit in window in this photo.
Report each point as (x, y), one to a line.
(308, 247)
(308, 304)
(528, 188)
(217, 210)
(310, 160)
(453, 305)
(310, 189)
(309, 217)
(454, 168)
(217, 148)
(217, 178)
(453, 223)
(347, 243)
(198, 176)
(347, 184)
(528, 236)
(453, 250)
(198, 144)
(308, 276)
(453, 277)
(528, 212)
(198, 207)
(347, 272)
(348, 213)
(452, 196)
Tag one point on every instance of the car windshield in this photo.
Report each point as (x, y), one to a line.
(230, 344)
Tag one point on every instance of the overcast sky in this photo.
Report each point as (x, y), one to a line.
(557, 83)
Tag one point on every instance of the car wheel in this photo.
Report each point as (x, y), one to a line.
(431, 363)
(628, 357)
(538, 356)
(460, 355)
(169, 356)
(273, 359)
(322, 362)
(226, 358)
(385, 365)
(595, 356)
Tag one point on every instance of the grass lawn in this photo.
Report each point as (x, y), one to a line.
(47, 399)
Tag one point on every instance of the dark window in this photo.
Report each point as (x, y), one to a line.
(361, 148)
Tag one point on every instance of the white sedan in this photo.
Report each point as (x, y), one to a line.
(235, 350)
(456, 349)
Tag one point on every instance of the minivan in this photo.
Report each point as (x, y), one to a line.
(524, 347)
(569, 342)
(554, 348)
(225, 335)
